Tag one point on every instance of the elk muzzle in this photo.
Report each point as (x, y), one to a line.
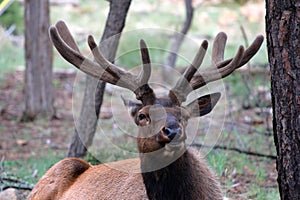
(170, 134)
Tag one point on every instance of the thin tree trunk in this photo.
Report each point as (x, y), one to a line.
(177, 41)
(38, 53)
(93, 95)
(283, 37)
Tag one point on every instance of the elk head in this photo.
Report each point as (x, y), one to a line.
(162, 124)
(161, 121)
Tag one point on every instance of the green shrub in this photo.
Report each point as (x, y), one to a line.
(13, 16)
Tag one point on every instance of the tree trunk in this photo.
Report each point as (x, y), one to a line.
(93, 95)
(38, 72)
(177, 41)
(283, 37)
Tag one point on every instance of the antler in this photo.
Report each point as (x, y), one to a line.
(101, 68)
(218, 70)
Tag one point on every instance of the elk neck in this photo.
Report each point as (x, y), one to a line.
(174, 181)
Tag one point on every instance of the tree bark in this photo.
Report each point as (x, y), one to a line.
(93, 95)
(283, 40)
(38, 53)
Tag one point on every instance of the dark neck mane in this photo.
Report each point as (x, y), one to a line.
(171, 182)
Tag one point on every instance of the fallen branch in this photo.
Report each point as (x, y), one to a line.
(12, 182)
(236, 150)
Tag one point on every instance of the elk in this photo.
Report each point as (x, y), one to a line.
(169, 169)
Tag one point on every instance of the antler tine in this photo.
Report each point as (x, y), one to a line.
(202, 79)
(224, 68)
(137, 84)
(179, 92)
(65, 34)
(219, 47)
(145, 73)
(252, 49)
(123, 79)
(144, 92)
(192, 69)
(68, 53)
(75, 57)
(113, 70)
(248, 54)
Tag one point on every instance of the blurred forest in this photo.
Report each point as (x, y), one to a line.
(242, 154)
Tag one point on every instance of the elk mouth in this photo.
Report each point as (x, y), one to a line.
(177, 146)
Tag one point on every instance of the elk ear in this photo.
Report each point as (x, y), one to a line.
(203, 105)
(132, 106)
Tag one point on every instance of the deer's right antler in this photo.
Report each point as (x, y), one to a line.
(101, 68)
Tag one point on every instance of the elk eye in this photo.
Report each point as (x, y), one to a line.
(142, 116)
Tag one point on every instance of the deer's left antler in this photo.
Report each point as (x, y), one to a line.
(220, 68)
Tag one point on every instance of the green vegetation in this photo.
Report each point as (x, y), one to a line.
(11, 57)
(32, 169)
(13, 16)
(236, 167)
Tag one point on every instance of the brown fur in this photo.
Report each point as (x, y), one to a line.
(72, 178)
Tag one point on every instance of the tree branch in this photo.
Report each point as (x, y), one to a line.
(235, 149)
(12, 182)
(178, 38)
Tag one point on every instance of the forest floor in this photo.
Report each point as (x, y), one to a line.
(23, 140)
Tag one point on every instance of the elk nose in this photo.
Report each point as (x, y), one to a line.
(170, 133)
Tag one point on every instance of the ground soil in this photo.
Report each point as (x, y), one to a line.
(21, 140)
